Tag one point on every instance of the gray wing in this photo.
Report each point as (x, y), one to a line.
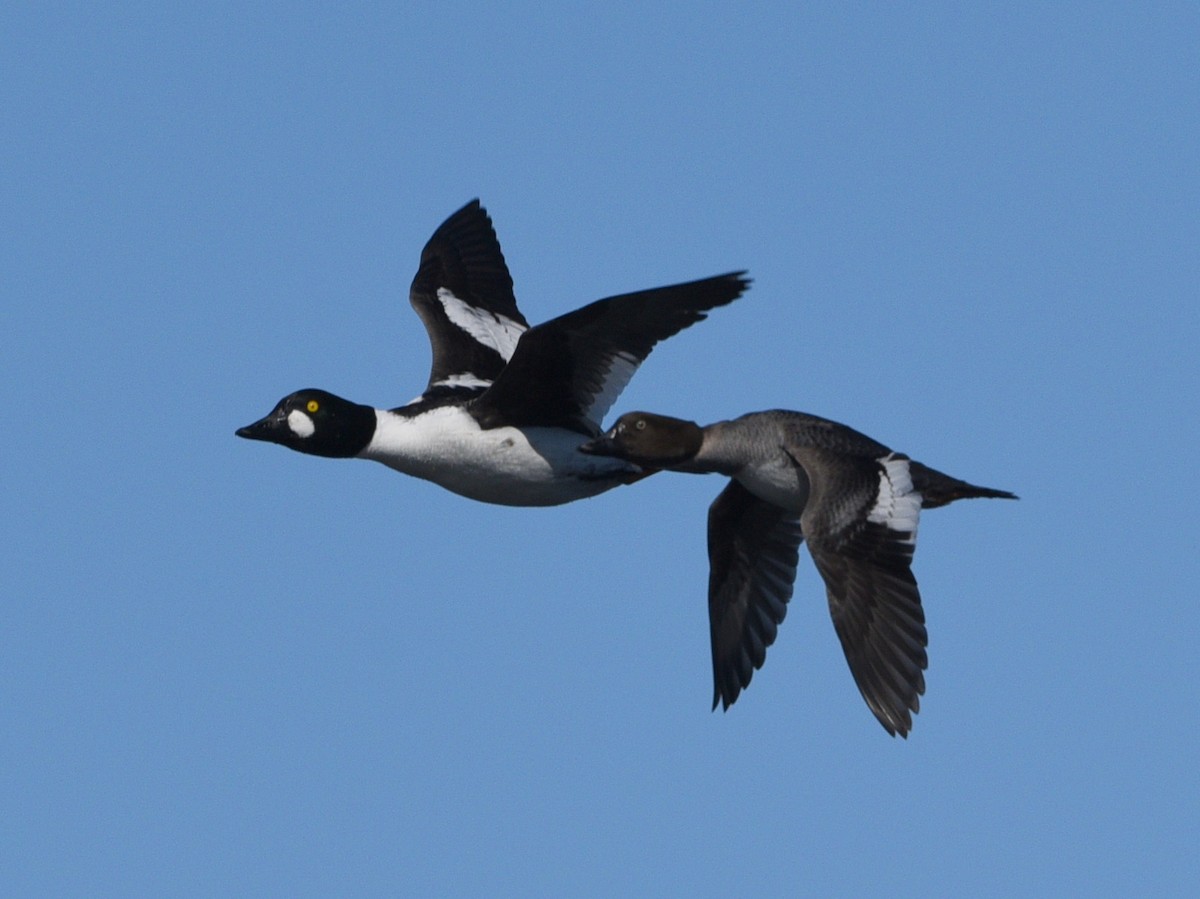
(864, 550)
(753, 548)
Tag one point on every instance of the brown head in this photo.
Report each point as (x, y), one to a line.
(649, 440)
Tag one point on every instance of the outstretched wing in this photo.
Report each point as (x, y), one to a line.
(753, 548)
(567, 372)
(864, 555)
(464, 295)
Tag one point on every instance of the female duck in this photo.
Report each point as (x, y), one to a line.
(796, 476)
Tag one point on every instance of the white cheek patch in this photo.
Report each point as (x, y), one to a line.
(301, 424)
(897, 506)
(492, 330)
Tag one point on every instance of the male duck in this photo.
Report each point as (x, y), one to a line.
(796, 476)
(506, 406)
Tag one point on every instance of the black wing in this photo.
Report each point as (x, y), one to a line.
(464, 295)
(753, 548)
(567, 372)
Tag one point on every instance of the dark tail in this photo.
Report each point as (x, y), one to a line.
(938, 489)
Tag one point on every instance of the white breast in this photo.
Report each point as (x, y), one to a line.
(509, 466)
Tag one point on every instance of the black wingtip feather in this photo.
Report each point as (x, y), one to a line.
(464, 256)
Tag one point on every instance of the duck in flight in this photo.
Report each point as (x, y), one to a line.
(507, 405)
(794, 477)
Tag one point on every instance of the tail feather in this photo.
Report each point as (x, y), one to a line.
(938, 489)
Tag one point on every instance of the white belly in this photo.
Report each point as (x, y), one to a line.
(509, 466)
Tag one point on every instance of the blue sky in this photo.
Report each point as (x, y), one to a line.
(230, 669)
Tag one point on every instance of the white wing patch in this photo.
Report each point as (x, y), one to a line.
(492, 330)
(897, 506)
(465, 379)
(620, 370)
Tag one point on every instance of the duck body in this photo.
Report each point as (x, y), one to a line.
(796, 477)
(507, 465)
(506, 405)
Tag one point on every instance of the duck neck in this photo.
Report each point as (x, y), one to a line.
(718, 454)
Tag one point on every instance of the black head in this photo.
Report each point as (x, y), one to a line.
(649, 440)
(316, 422)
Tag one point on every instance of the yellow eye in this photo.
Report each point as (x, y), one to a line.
(313, 405)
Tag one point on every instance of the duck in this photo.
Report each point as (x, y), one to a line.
(506, 405)
(796, 477)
